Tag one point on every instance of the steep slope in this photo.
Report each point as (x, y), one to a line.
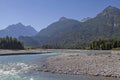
(69, 32)
(56, 30)
(17, 30)
(104, 25)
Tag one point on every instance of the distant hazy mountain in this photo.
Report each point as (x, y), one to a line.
(17, 30)
(69, 32)
(52, 32)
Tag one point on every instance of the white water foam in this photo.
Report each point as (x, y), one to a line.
(31, 79)
(12, 71)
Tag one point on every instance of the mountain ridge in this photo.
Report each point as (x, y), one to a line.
(70, 32)
(16, 30)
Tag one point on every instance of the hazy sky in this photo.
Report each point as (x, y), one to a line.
(41, 13)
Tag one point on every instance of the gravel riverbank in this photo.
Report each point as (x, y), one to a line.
(23, 52)
(90, 64)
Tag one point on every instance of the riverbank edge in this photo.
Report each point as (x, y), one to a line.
(38, 51)
(60, 65)
(23, 52)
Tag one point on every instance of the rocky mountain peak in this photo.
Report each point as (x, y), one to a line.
(63, 19)
(110, 10)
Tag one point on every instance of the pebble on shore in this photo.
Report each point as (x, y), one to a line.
(91, 64)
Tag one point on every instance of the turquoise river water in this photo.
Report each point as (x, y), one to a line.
(20, 67)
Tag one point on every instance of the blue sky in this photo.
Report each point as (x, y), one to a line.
(41, 13)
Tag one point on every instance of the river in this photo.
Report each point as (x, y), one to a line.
(20, 67)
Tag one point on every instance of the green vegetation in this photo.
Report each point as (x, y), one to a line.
(29, 47)
(116, 48)
(104, 44)
(70, 33)
(107, 44)
(10, 43)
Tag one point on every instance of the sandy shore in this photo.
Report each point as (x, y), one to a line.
(35, 51)
(21, 52)
(90, 64)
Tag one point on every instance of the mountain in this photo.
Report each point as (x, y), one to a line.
(57, 28)
(105, 25)
(69, 33)
(85, 19)
(52, 32)
(55, 31)
(17, 30)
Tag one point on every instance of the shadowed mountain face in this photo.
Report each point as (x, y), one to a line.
(69, 32)
(17, 30)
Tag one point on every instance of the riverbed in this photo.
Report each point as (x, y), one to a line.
(24, 67)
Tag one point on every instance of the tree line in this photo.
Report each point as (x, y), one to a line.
(95, 45)
(104, 44)
(10, 43)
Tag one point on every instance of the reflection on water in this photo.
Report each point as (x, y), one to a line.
(22, 67)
